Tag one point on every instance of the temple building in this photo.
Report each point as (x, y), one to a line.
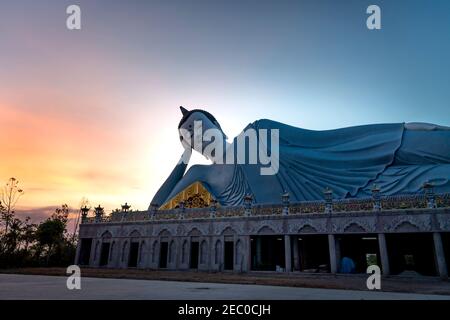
(337, 201)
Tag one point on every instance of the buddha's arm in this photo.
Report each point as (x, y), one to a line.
(172, 180)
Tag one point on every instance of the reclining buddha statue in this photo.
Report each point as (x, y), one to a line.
(397, 157)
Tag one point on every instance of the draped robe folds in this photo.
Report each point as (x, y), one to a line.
(398, 158)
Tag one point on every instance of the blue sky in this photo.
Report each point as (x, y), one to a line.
(112, 89)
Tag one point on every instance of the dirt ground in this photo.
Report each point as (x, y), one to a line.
(424, 285)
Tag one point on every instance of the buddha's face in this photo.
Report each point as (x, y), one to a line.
(192, 131)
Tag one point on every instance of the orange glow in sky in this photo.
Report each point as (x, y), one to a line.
(94, 112)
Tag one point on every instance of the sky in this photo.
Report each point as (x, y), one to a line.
(94, 112)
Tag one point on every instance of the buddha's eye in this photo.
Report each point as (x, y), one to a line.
(181, 138)
(190, 126)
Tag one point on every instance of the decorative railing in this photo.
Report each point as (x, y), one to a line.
(399, 202)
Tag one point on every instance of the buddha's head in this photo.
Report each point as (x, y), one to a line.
(193, 126)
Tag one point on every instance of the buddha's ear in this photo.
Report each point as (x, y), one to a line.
(184, 111)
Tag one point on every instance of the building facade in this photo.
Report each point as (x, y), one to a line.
(403, 234)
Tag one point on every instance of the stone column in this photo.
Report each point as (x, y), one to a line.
(333, 255)
(125, 253)
(287, 253)
(245, 253)
(249, 253)
(211, 256)
(439, 255)
(77, 254)
(383, 254)
(177, 258)
(296, 255)
(94, 258)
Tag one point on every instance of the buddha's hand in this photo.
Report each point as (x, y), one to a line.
(186, 156)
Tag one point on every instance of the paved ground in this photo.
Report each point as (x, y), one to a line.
(14, 286)
(404, 284)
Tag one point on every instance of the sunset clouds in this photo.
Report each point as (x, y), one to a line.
(94, 112)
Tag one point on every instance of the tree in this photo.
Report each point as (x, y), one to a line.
(28, 233)
(12, 237)
(22, 242)
(50, 234)
(17, 235)
(9, 196)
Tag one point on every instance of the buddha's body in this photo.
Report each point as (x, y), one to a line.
(398, 158)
